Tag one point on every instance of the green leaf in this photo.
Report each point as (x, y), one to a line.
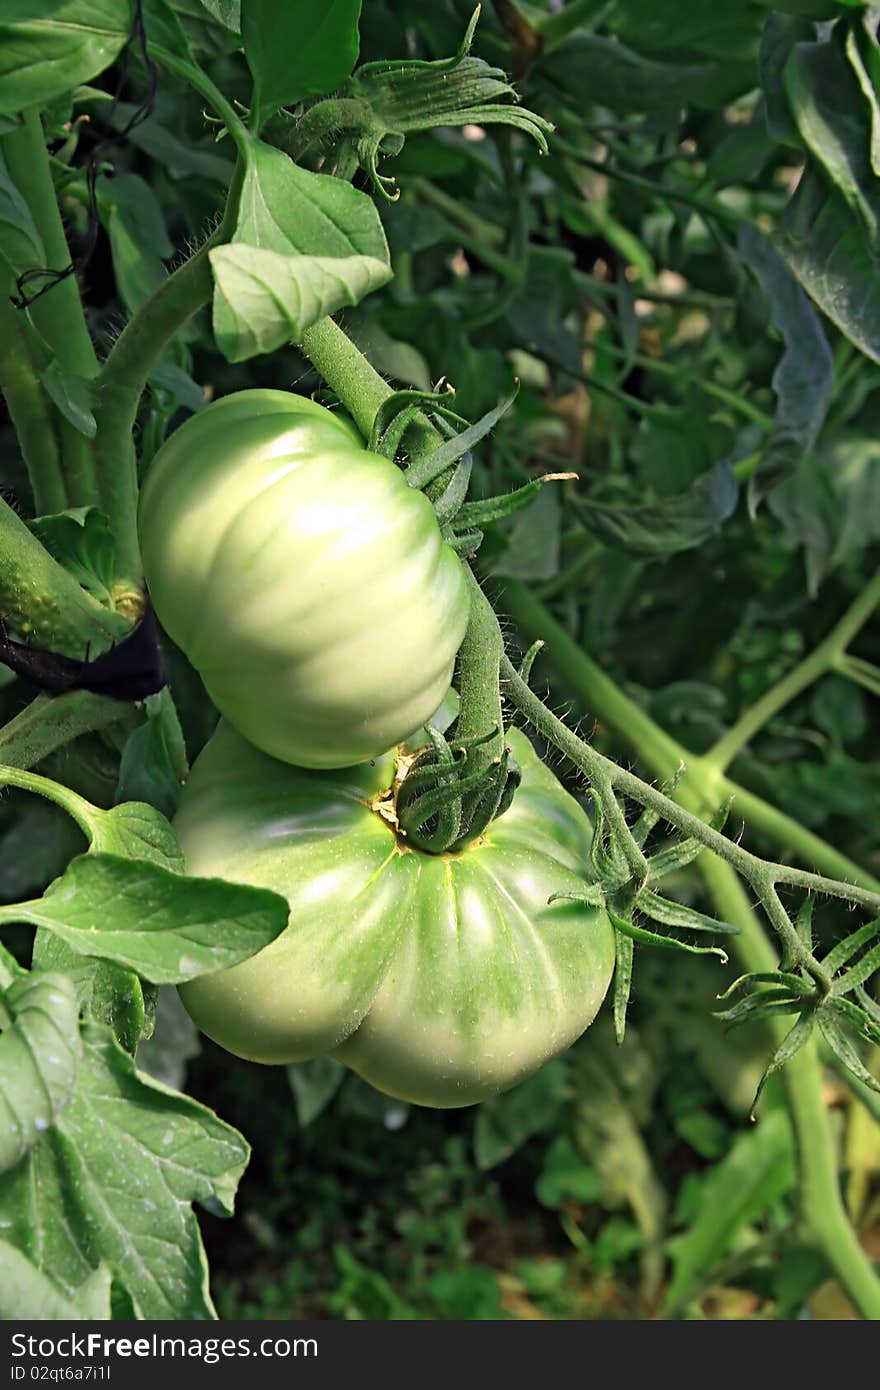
(623, 971)
(804, 378)
(565, 1177)
(74, 397)
(841, 954)
(153, 765)
(827, 248)
(166, 927)
(106, 993)
(113, 1183)
(305, 245)
(314, 1084)
(173, 1042)
(758, 1170)
(226, 12)
(81, 540)
(295, 51)
(26, 1293)
(672, 914)
(139, 242)
(503, 1124)
(21, 245)
(796, 1038)
(45, 50)
(264, 300)
(40, 1056)
(844, 1050)
(670, 525)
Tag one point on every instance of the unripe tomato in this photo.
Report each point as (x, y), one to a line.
(307, 583)
(441, 979)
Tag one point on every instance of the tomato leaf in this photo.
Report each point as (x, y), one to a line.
(27, 1292)
(113, 1182)
(298, 50)
(40, 1055)
(305, 245)
(106, 993)
(73, 396)
(45, 51)
(166, 927)
(82, 541)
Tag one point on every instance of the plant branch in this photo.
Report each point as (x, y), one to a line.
(824, 658)
(124, 376)
(31, 412)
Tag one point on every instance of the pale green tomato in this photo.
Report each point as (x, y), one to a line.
(441, 979)
(307, 583)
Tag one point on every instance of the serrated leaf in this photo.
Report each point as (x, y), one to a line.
(295, 51)
(74, 397)
(40, 1056)
(44, 52)
(26, 1293)
(142, 916)
(113, 1183)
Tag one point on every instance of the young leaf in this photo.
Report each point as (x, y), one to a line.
(47, 50)
(40, 1056)
(153, 765)
(114, 1181)
(297, 50)
(166, 927)
(305, 244)
(27, 1293)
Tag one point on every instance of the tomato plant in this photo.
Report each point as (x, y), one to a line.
(596, 356)
(307, 583)
(441, 979)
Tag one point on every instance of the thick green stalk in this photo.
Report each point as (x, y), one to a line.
(51, 721)
(58, 314)
(124, 376)
(335, 357)
(822, 659)
(657, 750)
(30, 410)
(42, 601)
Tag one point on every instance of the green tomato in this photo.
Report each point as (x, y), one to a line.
(307, 583)
(441, 979)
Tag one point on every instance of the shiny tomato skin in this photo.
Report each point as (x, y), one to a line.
(306, 582)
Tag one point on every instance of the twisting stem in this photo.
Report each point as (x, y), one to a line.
(822, 659)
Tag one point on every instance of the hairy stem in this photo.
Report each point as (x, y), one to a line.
(51, 721)
(357, 383)
(822, 659)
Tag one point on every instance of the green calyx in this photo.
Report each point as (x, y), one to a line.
(449, 796)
